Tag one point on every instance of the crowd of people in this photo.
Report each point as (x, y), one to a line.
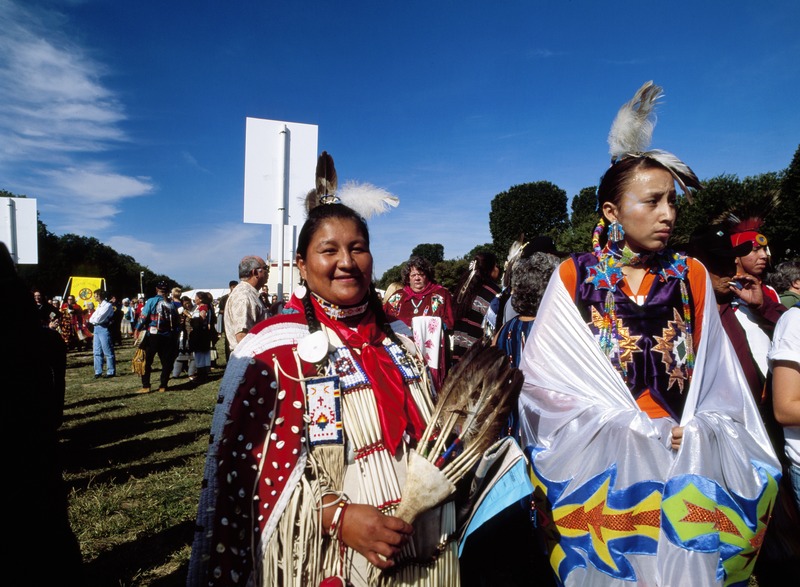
(646, 413)
(187, 346)
(658, 412)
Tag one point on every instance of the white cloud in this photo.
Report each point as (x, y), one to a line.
(97, 184)
(192, 161)
(544, 53)
(56, 117)
(201, 255)
(51, 90)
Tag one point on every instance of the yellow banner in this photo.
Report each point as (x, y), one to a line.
(83, 288)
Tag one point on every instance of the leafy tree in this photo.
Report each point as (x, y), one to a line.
(578, 236)
(432, 252)
(725, 193)
(484, 248)
(785, 243)
(449, 272)
(391, 275)
(530, 209)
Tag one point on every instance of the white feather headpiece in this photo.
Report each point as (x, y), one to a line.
(364, 198)
(632, 131)
(367, 199)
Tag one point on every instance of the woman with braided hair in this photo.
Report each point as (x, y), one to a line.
(472, 296)
(650, 460)
(318, 408)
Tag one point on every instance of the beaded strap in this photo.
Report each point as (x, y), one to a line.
(335, 530)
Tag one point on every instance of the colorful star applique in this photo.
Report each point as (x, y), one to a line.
(606, 274)
(436, 301)
(671, 265)
(673, 346)
(626, 343)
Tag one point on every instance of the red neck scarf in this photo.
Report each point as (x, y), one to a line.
(396, 409)
(418, 295)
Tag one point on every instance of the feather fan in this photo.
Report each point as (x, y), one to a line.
(472, 409)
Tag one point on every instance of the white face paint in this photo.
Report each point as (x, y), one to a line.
(646, 210)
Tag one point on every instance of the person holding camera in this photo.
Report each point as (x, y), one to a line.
(244, 308)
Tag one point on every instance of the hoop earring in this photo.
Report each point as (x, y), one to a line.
(615, 232)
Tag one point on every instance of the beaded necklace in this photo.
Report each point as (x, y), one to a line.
(335, 312)
(607, 273)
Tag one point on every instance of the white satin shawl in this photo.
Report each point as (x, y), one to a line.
(627, 508)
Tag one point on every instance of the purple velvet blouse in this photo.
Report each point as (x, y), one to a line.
(653, 343)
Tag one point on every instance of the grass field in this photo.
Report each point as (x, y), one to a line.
(133, 465)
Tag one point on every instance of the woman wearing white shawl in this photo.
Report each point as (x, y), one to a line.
(648, 456)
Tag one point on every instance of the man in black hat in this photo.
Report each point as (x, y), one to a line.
(157, 332)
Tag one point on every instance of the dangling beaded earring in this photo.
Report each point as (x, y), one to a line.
(615, 232)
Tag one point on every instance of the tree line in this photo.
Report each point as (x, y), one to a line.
(61, 257)
(527, 210)
(540, 209)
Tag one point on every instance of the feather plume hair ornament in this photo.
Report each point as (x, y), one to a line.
(744, 221)
(473, 269)
(632, 131)
(366, 199)
(514, 253)
(327, 181)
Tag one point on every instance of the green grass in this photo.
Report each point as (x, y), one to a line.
(133, 465)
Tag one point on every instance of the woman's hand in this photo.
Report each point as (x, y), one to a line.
(677, 437)
(376, 536)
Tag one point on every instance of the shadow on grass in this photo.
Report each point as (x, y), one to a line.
(124, 565)
(108, 449)
(112, 437)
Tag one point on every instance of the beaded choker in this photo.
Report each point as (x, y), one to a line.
(335, 312)
(629, 258)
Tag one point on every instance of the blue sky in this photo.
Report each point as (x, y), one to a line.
(126, 120)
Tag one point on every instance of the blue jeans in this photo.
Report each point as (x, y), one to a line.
(103, 346)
